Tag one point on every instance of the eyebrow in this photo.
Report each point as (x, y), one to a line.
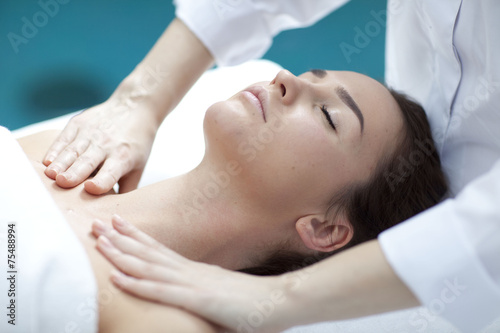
(319, 73)
(344, 96)
(349, 101)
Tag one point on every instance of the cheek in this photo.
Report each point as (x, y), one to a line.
(313, 148)
(307, 158)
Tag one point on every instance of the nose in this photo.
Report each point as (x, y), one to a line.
(289, 85)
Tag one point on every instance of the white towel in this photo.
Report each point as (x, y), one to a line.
(50, 286)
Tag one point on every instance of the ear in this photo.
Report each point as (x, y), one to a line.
(320, 234)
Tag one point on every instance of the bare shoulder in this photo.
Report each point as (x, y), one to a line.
(144, 316)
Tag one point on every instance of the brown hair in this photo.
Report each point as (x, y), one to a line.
(405, 183)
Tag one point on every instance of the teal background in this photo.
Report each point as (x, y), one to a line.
(79, 56)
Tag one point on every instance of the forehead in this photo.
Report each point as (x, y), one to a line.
(379, 108)
(382, 117)
(366, 91)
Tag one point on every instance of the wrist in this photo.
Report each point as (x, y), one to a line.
(139, 92)
(306, 299)
(164, 76)
(282, 305)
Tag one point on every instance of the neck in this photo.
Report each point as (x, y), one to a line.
(200, 215)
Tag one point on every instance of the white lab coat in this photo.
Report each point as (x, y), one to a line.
(445, 54)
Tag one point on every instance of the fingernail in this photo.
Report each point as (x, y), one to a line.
(119, 220)
(117, 277)
(67, 176)
(99, 226)
(117, 273)
(104, 242)
(55, 168)
(52, 171)
(87, 183)
(50, 158)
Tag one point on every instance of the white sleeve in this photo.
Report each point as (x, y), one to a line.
(238, 30)
(449, 256)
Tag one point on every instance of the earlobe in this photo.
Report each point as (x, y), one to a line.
(320, 234)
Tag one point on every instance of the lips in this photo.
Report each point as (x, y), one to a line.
(257, 96)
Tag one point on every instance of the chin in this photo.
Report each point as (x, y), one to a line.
(225, 126)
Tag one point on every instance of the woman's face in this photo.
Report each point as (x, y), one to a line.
(301, 139)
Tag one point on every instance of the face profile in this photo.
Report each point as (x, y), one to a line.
(301, 139)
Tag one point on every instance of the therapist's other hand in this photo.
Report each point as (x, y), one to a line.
(113, 139)
(150, 270)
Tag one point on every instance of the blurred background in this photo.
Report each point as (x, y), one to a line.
(56, 59)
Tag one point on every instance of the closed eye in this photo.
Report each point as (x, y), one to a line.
(327, 115)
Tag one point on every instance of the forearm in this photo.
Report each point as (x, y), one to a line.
(356, 283)
(168, 71)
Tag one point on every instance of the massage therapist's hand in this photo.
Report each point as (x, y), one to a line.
(355, 283)
(150, 270)
(113, 138)
(116, 136)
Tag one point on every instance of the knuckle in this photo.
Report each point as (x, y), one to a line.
(122, 261)
(147, 269)
(64, 140)
(102, 138)
(114, 236)
(76, 120)
(157, 246)
(56, 165)
(143, 252)
(113, 178)
(88, 162)
(106, 139)
(59, 146)
(159, 291)
(124, 151)
(134, 232)
(71, 151)
(106, 178)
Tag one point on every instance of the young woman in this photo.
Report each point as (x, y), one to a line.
(294, 168)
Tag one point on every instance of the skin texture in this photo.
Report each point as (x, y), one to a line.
(252, 215)
(295, 149)
(354, 283)
(306, 156)
(118, 312)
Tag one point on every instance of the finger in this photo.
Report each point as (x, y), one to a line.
(154, 291)
(100, 228)
(61, 142)
(131, 246)
(134, 266)
(82, 168)
(109, 174)
(67, 157)
(128, 229)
